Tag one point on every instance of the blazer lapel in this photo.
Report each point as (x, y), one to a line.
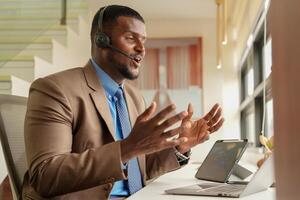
(98, 96)
(100, 102)
(133, 114)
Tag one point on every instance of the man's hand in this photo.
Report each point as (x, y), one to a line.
(199, 130)
(149, 135)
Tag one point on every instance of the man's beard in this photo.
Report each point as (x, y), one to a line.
(126, 73)
(123, 69)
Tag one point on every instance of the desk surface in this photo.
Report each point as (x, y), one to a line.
(184, 177)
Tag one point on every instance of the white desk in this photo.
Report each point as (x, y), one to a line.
(184, 177)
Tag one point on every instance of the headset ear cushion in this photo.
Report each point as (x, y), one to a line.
(102, 40)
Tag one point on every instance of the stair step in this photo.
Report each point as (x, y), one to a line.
(32, 33)
(32, 27)
(23, 46)
(5, 83)
(22, 41)
(45, 11)
(17, 58)
(22, 68)
(38, 1)
(45, 53)
(25, 39)
(39, 5)
(35, 21)
(44, 17)
(17, 61)
(13, 85)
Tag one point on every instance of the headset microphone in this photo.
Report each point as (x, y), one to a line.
(102, 40)
(121, 52)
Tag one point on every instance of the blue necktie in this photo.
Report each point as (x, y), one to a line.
(133, 171)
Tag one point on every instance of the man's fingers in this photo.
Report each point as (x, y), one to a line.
(201, 124)
(148, 112)
(217, 126)
(173, 132)
(171, 121)
(207, 137)
(211, 113)
(203, 136)
(163, 114)
(215, 118)
(190, 111)
(175, 142)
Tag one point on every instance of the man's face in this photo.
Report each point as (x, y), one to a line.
(129, 35)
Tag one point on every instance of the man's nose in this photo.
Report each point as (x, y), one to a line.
(140, 47)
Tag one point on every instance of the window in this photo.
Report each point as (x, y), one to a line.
(269, 118)
(250, 82)
(256, 74)
(268, 58)
(248, 77)
(248, 117)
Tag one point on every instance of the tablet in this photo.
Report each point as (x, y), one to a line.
(220, 161)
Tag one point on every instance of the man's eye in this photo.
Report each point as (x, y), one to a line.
(130, 38)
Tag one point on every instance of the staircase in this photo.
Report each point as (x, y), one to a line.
(32, 41)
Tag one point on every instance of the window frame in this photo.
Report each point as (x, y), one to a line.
(253, 57)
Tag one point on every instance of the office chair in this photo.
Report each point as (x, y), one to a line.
(12, 115)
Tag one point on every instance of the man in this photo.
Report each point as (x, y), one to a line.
(88, 133)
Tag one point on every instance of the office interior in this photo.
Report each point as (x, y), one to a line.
(242, 54)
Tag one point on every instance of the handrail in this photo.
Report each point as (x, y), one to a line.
(63, 20)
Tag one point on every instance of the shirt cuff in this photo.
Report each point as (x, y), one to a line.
(124, 166)
(182, 158)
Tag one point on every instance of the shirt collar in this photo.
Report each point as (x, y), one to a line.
(110, 86)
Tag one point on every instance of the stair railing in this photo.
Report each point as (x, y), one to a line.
(63, 20)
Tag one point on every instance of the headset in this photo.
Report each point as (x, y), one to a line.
(102, 40)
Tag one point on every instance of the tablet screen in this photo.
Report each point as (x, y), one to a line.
(221, 159)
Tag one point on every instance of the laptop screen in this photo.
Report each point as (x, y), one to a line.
(221, 159)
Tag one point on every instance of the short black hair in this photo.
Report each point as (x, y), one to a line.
(111, 14)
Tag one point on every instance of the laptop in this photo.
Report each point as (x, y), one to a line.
(260, 181)
(221, 160)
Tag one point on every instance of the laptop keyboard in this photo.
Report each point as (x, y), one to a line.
(229, 189)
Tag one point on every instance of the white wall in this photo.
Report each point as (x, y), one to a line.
(76, 52)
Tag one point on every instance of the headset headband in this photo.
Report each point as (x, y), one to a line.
(100, 21)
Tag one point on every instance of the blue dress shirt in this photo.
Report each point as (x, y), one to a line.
(110, 86)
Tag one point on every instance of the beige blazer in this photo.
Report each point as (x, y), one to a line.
(70, 139)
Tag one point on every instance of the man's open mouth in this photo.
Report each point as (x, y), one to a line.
(137, 58)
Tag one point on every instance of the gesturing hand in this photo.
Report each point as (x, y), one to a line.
(199, 130)
(149, 135)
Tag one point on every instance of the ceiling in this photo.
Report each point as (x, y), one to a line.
(166, 9)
